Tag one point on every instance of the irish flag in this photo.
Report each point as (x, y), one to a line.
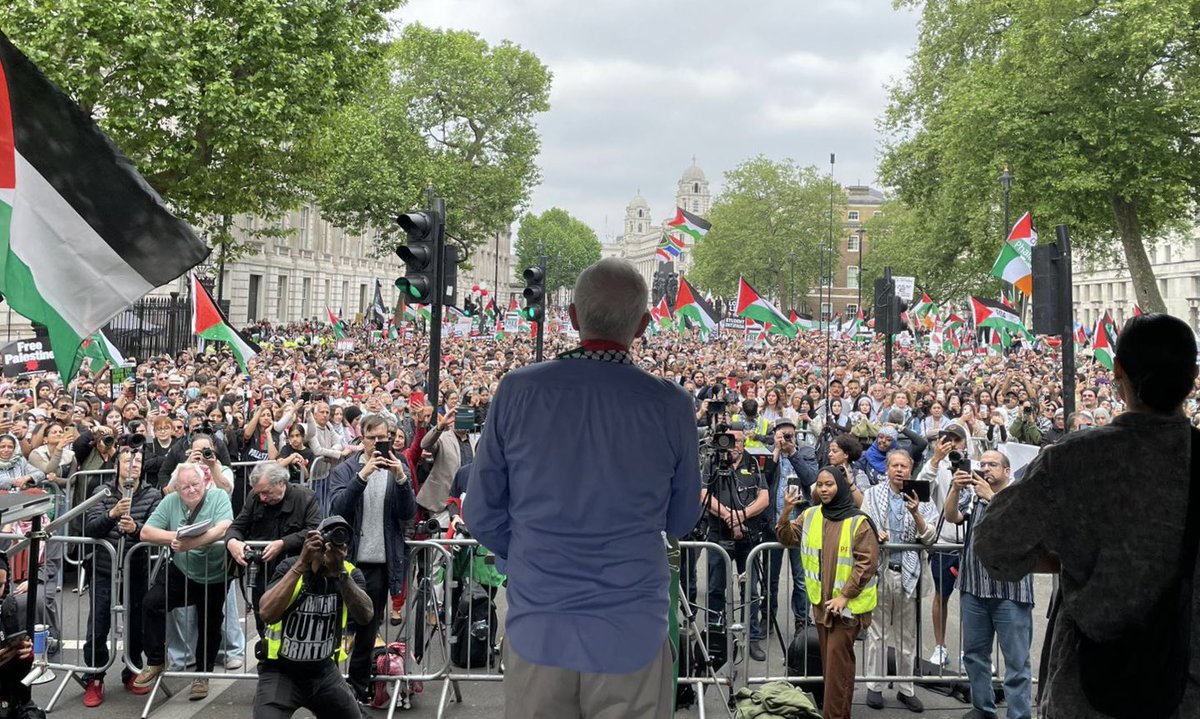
(689, 303)
(994, 314)
(208, 321)
(1104, 341)
(756, 307)
(1014, 265)
(694, 225)
(82, 235)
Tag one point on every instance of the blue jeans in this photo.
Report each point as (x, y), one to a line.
(1012, 624)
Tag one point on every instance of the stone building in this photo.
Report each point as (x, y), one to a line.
(839, 295)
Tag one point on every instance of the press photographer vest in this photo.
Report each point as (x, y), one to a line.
(810, 559)
(274, 632)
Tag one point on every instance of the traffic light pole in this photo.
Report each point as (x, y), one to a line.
(539, 342)
(435, 308)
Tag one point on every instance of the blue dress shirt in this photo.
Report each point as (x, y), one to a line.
(582, 465)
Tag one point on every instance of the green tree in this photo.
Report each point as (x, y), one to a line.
(1093, 103)
(767, 211)
(446, 108)
(568, 243)
(212, 101)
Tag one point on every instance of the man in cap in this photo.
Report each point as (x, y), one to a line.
(944, 565)
(305, 611)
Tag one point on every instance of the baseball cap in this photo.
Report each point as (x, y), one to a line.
(955, 429)
(330, 523)
(781, 423)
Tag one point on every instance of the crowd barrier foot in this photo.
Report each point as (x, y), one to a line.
(443, 700)
(62, 686)
(166, 690)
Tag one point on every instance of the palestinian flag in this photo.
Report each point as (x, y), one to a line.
(950, 343)
(490, 310)
(661, 314)
(924, 306)
(208, 321)
(339, 329)
(1104, 341)
(393, 332)
(991, 313)
(99, 349)
(953, 322)
(694, 225)
(1015, 265)
(1080, 335)
(998, 340)
(752, 305)
(689, 304)
(803, 322)
(854, 325)
(82, 235)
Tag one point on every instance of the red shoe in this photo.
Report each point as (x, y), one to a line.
(94, 695)
(135, 689)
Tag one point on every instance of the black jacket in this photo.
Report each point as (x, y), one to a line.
(179, 453)
(290, 520)
(99, 525)
(346, 495)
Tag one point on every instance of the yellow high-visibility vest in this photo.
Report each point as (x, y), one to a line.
(761, 427)
(810, 559)
(274, 632)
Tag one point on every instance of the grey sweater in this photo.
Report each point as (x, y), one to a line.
(1110, 503)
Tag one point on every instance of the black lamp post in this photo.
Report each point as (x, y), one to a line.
(792, 280)
(1006, 180)
(861, 232)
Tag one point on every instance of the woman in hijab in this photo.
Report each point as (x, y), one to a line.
(840, 584)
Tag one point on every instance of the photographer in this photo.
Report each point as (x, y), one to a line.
(1024, 428)
(305, 611)
(121, 514)
(277, 511)
(951, 445)
(181, 451)
(372, 491)
(16, 655)
(735, 503)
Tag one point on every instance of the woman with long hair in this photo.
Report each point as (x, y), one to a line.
(840, 554)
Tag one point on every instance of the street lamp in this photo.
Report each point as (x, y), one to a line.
(792, 280)
(862, 231)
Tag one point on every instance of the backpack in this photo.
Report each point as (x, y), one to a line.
(1154, 656)
(389, 662)
(473, 631)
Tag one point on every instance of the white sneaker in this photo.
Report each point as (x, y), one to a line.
(233, 663)
(939, 656)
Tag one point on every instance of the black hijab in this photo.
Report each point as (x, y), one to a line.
(842, 505)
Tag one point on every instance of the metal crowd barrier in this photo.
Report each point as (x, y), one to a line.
(75, 493)
(704, 633)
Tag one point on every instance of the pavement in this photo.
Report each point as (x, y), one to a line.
(480, 700)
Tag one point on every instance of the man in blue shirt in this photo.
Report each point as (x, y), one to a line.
(581, 541)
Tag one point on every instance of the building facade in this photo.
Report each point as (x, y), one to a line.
(315, 265)
(1098, 286)
(641, 234)
(838, 295)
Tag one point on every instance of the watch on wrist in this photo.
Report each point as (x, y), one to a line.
(343, 575)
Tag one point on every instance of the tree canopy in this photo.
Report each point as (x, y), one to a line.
(1093, 104)
(767, 211)
(568, 243)
(444, 107)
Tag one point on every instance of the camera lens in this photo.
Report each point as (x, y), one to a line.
(107, 441)
(206, 453)
(955, 456)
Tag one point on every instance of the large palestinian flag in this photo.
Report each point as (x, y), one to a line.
(689, 304)
(994, 314)
(756, 307)
(694, 225)
(208, 321)
(1015, 265)
(82, 236)
(99, 349)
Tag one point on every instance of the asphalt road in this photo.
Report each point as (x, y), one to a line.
(233, 698)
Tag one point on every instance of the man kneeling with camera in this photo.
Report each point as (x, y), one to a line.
(305, 610)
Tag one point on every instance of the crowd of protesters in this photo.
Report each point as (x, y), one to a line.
(321, 411)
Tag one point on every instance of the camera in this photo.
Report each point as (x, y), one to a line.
(252, 555)
(336, 535)
(959, 461)
(207, 453)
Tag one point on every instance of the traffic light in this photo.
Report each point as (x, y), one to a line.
(534, 294)
(884, 293)
(896, 322)
(419, 282)
(450, 275)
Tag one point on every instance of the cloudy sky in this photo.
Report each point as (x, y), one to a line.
(640, 86)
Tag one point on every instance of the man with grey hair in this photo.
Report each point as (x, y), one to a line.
(582, 543)
(276, 511)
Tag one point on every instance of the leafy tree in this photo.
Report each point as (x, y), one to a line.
(568, 243)
(444, 108)
(767, 211)
(212, 101)
(1093, 103)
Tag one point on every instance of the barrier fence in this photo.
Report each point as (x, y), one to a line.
(448, 629)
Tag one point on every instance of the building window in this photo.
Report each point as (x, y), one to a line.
(639, 213)
(362, 297)
(253, 308)
(852, 243)
(281, 302)
(328, 297)
(852, 216)
(826, 311)
(302, 237)
(345, 296)
(852, 277)
(639, 224)
(852, 310)
(877, 213)
(695, 205)
(306, 298)
(696, 187)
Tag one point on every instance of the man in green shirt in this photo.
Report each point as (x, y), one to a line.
(196, 575)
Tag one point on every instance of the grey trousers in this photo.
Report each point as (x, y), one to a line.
(534, 691)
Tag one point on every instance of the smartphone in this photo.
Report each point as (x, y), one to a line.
(921, 487)
(15, 637)
(417, 399)
(305, 396)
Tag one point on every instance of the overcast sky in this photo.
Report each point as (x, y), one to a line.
(641, 86)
